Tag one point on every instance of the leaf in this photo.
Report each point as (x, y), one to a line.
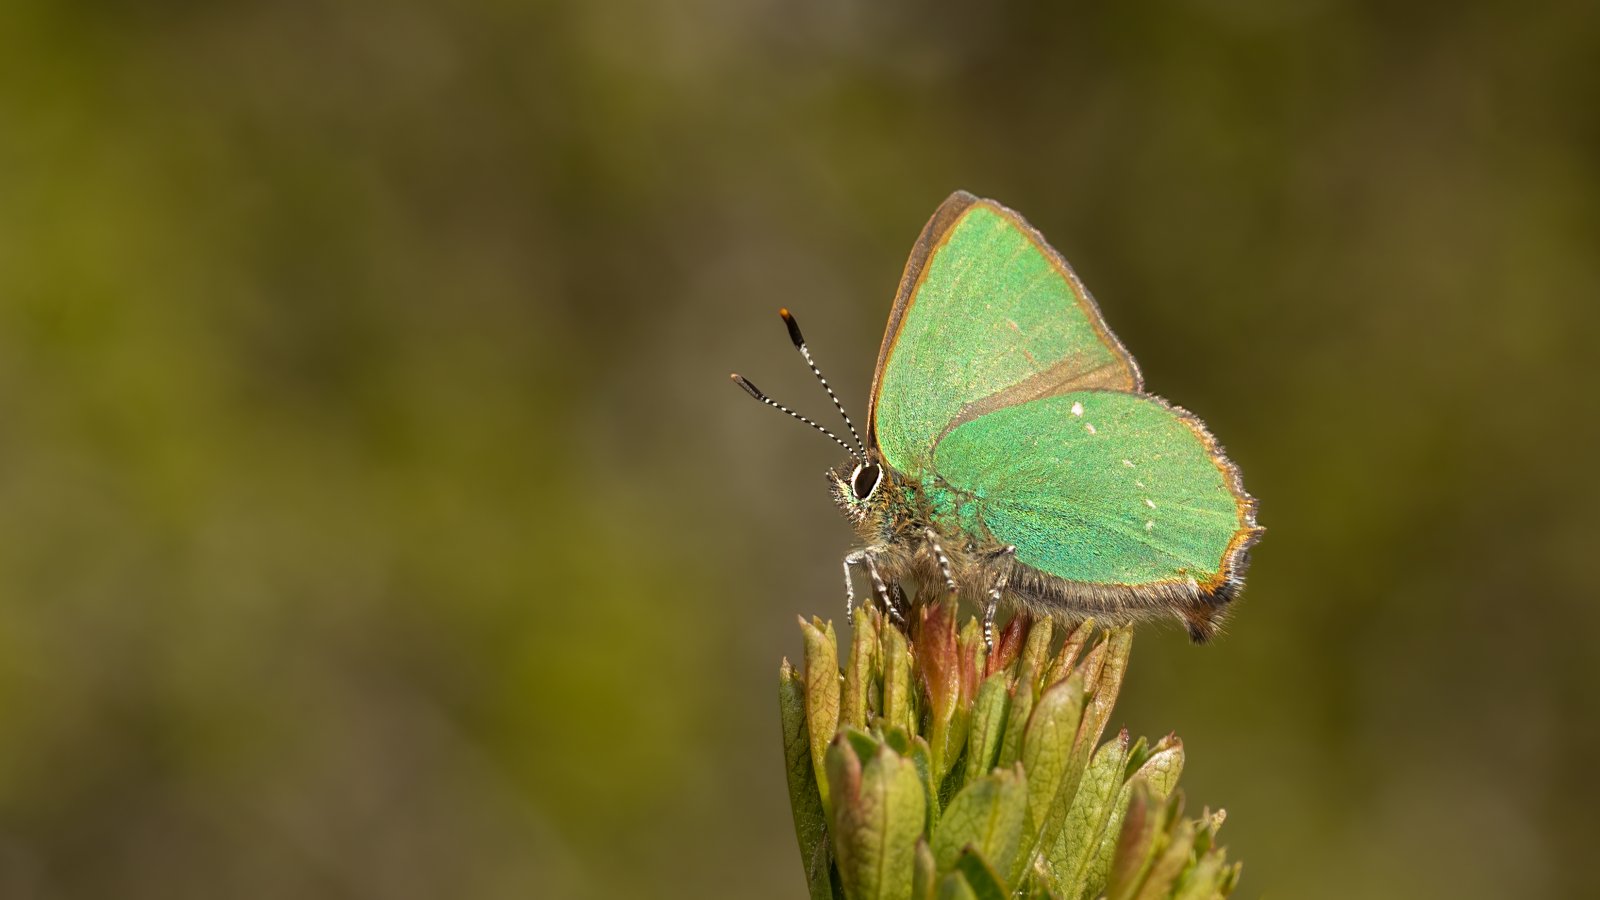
(898, 711)
(878, 814)
(1022, 698)
(969, 645)
(955, 887)
(1170, 861)
(822, 695)
(938, 663)
(1007, 646)
(1157, 772)
(1036, 653)
(1061, 666)
(986, 815)
(1160, 770)
(1104, 682)
(862, 669)
(922, 758)
(810, 821)
(985, 884)
(1093, 810)
(1204, 879)
(1047, 751)
(926, 873)
(989, 713)
(1135, 842)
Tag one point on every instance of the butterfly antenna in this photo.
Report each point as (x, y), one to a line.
(800, 344)
(755, 392)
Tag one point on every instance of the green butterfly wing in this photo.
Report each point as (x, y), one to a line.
(1002, 394)
(1102, 488)
(988, 315)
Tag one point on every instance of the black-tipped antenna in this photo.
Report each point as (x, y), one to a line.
(755, 392)
(800, 344)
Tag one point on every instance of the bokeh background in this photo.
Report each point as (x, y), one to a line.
(376, 519)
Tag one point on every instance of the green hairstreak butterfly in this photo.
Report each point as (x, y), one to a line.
(1011, 450)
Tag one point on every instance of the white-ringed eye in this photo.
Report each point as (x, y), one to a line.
(864, 480)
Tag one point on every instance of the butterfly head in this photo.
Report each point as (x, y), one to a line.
(860, 488)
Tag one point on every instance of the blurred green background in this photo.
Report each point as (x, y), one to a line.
(376, 519)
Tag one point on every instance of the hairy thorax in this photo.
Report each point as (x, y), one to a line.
(906, 525)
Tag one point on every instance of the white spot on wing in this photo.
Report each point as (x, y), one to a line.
(1077, 409)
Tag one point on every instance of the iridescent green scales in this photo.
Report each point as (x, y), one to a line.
(1092, 486)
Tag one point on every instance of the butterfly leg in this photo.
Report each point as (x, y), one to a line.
(879, 587)
(849, 586)
(1009, 552)
(938, 554)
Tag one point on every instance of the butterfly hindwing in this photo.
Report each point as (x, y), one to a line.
(988, 316)
(1101, 487)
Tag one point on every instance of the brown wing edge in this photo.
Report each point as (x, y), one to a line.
(932, 237)
(1201, 605)
(933, 233)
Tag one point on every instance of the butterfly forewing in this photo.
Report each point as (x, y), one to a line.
(988, 316)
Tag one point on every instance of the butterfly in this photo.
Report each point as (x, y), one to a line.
(1012, 453)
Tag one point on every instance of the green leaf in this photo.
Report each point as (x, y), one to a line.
(862, 670)
(810, 821)
(926, 874)
(878, 814)
(864, 743)
(898, 699)
(1047, 757)
(1022, 698)
(922, 758)
(1036, 653)
(985, 884)
(1157, 771)
(1093, 811)
(822, 695)
(986, 815)
(1203, 880)
(1135, 843)
(1171, 859)
(989, 714)
(955, 887)
(1160, 770)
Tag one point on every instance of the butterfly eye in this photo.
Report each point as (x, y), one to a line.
(865, 481)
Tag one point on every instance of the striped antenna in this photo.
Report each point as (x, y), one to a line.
(755, 392)
(800, 344)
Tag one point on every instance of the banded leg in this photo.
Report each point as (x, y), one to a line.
(881, 588)
(851, 559)
(995, 592)
(865, 558)
(938, 554)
